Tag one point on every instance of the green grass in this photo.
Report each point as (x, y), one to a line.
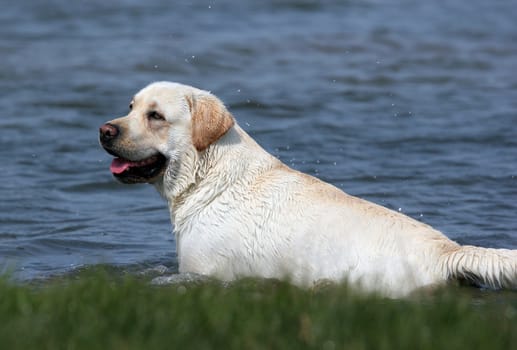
(100, 310)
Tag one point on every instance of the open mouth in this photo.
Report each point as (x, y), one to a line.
(144, 170)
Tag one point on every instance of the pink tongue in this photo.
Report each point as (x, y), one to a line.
(119, 165)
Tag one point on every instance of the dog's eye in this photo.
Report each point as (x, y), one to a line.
(131, 106)
(155, 115)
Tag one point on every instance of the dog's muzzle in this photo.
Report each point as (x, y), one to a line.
(130, 171)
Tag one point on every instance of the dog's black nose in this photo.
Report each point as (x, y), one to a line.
(108, 132)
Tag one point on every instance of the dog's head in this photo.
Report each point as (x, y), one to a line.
(164, 121)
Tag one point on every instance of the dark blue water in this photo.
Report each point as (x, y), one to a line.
(410, 104)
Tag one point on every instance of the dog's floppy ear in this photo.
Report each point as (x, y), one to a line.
(210, 120)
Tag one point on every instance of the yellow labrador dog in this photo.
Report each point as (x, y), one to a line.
(239, 211)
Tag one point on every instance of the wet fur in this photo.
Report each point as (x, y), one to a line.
(238, 211)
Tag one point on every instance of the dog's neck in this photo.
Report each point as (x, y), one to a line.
(200, 177)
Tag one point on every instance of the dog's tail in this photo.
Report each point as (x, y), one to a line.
(484, 267)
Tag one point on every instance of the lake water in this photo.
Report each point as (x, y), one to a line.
(410, 104)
